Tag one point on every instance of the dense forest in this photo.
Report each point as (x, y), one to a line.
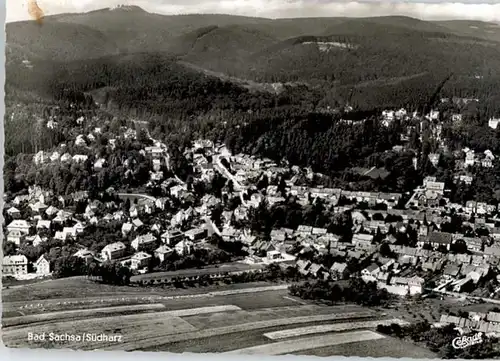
(181, 104)
(370, 65)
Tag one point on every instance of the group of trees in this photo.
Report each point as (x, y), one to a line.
(289, 214)
(197, 259)
(107, 272)
(110, 273)
(356, 291)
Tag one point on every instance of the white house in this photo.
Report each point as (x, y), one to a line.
(42, 266)
(127, 228)
(99, 164)
(78, 228)
(113, 251)
(43, 224)
(85, 254)
(493, 123)
(362, 241)
(161, 203)
(14, 212)
(156, 165)
(133, 211)
(80, 141)
(156, 176)
(434, 159)
(434, 115)
(15, 265)
(15, 236)
(38, 207)
(184, 247)
(369, 273)
(55, 156)
(470, 158)
(163, 252)
(66, 157)
(140, 260)
(80, 158)
(172, 236)
(35, 240)
(51, 211)
(137, 223)
(143, 241)
(196, 233)
(40, 158)
(19, 225)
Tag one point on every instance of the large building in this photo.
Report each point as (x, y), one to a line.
(15, 265)
(113, 251)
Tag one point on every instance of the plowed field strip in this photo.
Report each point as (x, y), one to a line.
(49, 316)
(141, 343)
(336, 327)
(286, 347)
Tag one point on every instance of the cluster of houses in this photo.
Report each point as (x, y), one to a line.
(187, 229)
(465, 159)
(488, 323)
(80, 150)
(17, 265)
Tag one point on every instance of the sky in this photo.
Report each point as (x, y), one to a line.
(487, 10)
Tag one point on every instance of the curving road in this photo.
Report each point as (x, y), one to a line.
(136, 195)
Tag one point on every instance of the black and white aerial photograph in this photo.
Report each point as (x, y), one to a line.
(249, 177)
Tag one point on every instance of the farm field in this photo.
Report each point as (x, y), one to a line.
(67, 289)
(252, 318)
(287, 347)
(385, 347)
(301, 331)
(52, 316)
(266, 299)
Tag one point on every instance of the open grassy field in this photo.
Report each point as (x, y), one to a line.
(80, 292)
(67, 289)
(76, 314)
(254, 300)
(229, 341)
(275, 313)
(385, 347)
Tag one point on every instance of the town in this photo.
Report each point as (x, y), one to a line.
(239, 214)
(404, 242)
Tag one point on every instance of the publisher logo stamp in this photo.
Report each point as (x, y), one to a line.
(465, 341)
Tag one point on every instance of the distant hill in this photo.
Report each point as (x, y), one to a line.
(131, 29)
(358, 58)
(56, 40)
(478, 29)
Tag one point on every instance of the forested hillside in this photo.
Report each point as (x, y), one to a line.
(128, 63)
(368, 62)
